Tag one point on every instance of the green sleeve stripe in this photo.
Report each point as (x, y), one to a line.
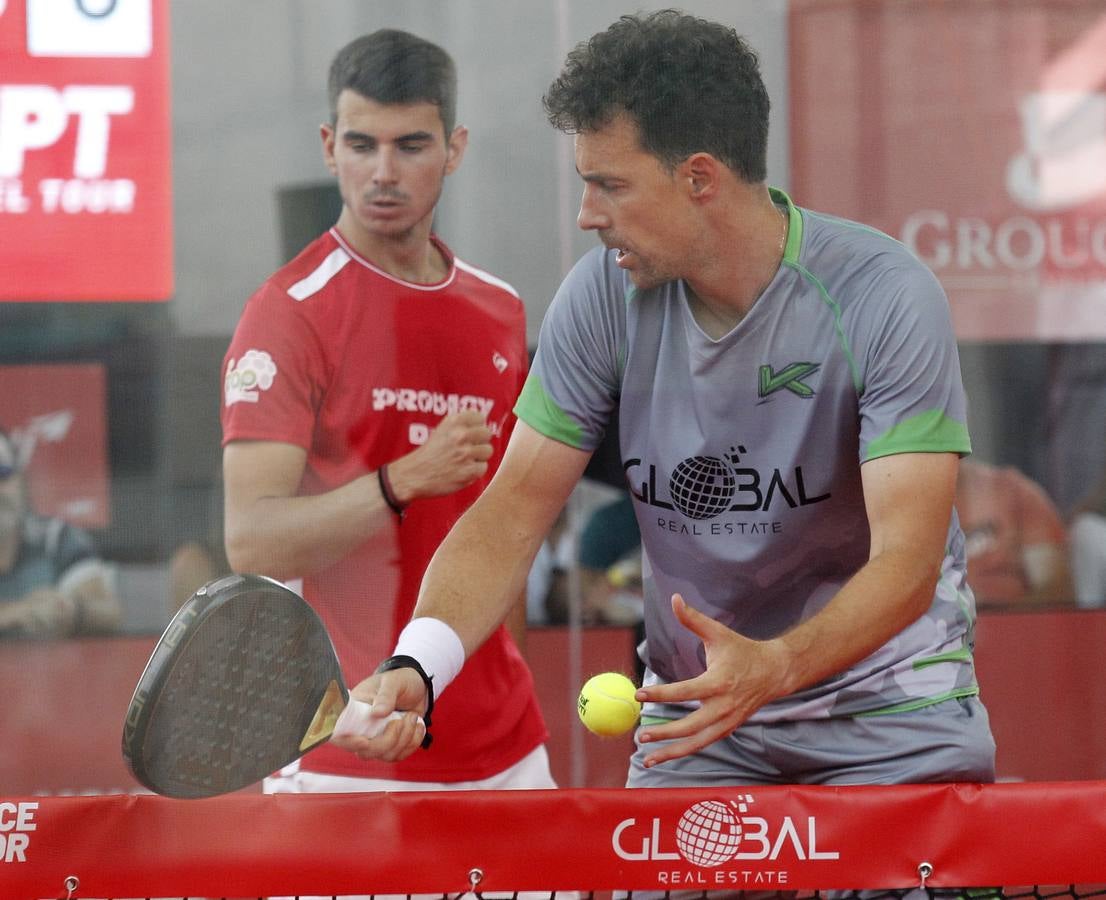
(928, 432)
(535, 407)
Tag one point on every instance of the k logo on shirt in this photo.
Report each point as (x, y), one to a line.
(789, 378)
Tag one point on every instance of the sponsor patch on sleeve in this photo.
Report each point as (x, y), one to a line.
(248, 376)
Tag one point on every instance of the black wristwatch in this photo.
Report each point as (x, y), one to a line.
(409, 662)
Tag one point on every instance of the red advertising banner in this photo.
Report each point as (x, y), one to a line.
(976, 134)
(56, 415)
(726, 838)
(85, 144)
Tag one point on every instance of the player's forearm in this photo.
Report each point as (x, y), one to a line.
(908, 498)
(885, 596)
(516, 623)
(288, 537)
(479, 572)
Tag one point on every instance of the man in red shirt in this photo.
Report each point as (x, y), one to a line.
(367, 401)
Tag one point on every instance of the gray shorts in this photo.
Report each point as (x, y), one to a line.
(946, 742)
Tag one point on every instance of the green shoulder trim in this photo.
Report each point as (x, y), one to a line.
(794, 225)
(537, 409)
(835, 310)
(928, 432)
(791, 258)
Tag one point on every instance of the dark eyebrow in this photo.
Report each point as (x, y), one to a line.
(597, 177)
(413, 137)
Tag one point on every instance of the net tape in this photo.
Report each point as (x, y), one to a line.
(883, 840)
(1065, 892)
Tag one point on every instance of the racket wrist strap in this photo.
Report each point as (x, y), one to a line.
(388, 493)
(400, 661)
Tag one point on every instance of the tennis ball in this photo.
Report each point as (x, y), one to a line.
(607, 705)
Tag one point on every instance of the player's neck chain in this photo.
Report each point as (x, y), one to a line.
(717, 322)
(785, 223)
(777, 258)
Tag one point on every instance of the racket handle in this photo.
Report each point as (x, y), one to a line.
(357, 718)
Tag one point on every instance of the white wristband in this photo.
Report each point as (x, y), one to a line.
(436, 646)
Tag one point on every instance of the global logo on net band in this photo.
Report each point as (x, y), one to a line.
(711, 834)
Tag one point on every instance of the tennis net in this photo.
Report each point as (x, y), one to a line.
(1042, 840)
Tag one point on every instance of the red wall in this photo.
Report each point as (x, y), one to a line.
(1042, 679)
(63, 702)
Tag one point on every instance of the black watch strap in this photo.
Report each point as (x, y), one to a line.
(409, 662)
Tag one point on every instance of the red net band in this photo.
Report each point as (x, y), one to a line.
(756, 838)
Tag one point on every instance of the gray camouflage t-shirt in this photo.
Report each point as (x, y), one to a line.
(743, 454)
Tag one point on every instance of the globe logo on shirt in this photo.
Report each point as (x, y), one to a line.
(702, 487)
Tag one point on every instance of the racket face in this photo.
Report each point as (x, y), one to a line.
(231, 690)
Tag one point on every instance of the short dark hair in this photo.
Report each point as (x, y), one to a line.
(391, 66)
(690, 86)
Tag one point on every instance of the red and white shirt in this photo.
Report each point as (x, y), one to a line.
(335, 355)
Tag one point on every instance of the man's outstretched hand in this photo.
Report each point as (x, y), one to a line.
(741, 676)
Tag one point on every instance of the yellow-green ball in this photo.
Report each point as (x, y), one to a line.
(607, 705)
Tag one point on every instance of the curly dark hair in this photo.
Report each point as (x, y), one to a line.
(391, 66)
(690, 85)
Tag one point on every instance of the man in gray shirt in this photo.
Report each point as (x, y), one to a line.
(792, 418)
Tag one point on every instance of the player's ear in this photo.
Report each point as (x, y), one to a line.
(701, 175)
(455, 148)
(326, 132)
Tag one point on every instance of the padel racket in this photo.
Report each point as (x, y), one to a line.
(243, 681)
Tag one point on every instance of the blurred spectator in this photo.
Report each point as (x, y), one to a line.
(200, 557)
(609, 555)
(52, 583)
(1075, 453)
(192, 565)
(546, 586)
(605, 553)
(1016, 540)
(1088, 548)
